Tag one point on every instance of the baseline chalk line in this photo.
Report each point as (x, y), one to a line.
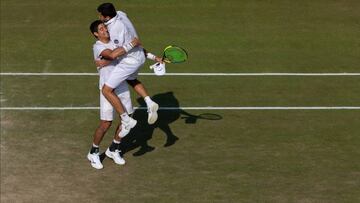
(196, 108)
(188, 74)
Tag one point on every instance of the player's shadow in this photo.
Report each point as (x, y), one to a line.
(143, 132)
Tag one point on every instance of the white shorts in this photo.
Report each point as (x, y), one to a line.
(127, 69)
(107, 111)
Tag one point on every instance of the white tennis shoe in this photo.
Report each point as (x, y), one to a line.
(115, 156)
(95, 160)
(126, 126)
(152, 112)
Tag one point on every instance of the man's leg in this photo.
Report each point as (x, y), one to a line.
(100, 131)
(151, 105)
(109, 94)
(94, 154)
(126, 121)
(114, 152)
(138, 87)
(123, 93)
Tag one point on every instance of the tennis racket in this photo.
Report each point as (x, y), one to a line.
(174, 54)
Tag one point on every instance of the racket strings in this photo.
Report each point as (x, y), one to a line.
(175, 54)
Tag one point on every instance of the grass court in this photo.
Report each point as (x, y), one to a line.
(241, 156)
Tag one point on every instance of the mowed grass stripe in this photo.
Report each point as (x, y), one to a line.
(188, 74)
(196, 108)
(188, 92)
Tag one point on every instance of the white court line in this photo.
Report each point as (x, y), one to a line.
(189, 74)
(197, 108)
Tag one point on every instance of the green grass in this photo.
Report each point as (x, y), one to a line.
(227, 36)
(190, 91)
(246, 156)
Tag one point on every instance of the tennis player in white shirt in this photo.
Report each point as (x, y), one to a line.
(104, 48)
(121, 32)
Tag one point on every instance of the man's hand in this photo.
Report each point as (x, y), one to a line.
(136, 42)
(101, 63)
(158, 59)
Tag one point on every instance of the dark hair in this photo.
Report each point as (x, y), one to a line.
(94, 26)
(107, 9)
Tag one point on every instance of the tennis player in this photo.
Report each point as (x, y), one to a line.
(122, 32)
(103, 48)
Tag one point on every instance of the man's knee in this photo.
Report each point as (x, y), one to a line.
(134, 82)
(106, 89)
(105, 125)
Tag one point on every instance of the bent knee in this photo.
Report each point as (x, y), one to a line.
(105, 125)
(106, 89)
(134, 82)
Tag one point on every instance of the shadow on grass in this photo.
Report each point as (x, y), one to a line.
(143, 132)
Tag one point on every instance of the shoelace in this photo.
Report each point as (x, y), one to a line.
(96, 159)
(118, 152)
(126, 127)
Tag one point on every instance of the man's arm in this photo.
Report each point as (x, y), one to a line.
(113, 54)
(110, 55)
(152, 56)
(101, 63)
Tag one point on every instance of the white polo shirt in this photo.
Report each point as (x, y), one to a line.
(105, 71)
(123, 18)
(122, 91)
(122, 32)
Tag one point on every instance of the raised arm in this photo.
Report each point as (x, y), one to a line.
(152, 56)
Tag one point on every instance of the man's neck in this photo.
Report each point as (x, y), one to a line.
(110, 20)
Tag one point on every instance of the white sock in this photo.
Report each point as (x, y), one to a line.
(148, 101)
(125, 117)
(116, 142)
(96, 146)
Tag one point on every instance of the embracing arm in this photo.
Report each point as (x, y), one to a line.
(110, 55)
(101, 63)
(113, 54)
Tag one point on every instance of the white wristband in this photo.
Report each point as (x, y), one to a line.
(150, 56)
(128, 47)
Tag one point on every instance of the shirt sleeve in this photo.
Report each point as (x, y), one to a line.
(127, 22)
(97, 49)
(119, 34)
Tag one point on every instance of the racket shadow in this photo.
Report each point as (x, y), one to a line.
(192, 119)
(143, 132)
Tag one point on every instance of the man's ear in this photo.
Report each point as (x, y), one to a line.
(96, 34)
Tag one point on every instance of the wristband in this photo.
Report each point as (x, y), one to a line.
(128, 47)
(150, 56)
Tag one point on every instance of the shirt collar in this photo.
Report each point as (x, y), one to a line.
(111, 20)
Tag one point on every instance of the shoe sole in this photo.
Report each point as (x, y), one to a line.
(153, 118)
(108, 154)
(94, 166)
